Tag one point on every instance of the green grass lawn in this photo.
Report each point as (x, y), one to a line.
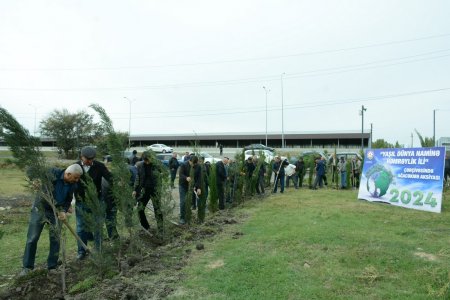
(325, 245)
(13, 182)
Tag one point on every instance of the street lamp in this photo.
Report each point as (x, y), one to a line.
(282, 112)
(35, 114)
(363, 109)
(129, 122)
(266, 90)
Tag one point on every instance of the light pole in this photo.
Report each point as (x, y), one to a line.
(129, 122)
(282, 112)
(363, 109)
(434, 127)
(266, 90)
(35, 114)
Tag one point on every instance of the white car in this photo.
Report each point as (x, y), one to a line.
(209, 158)
(267, 154)
(161, 148)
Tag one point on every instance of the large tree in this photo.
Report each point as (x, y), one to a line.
(70, 130)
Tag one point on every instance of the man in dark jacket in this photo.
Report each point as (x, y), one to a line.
(300, 169)
(90, 212)
(173, 167)
(183, 187)
(320, 172)
(221, 178)
(148, 186)
(133, 159)
(278, 168)
(64, 183)
(261, 174)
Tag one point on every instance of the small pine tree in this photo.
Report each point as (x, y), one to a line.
(213, 195)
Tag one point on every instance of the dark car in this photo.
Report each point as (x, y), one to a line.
(165, 157)
(126, 156)
(258, 147)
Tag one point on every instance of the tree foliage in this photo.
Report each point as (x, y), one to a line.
(381, 143)
(70, 130)
(425, 141)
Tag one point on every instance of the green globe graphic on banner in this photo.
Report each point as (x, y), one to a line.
(378, 180)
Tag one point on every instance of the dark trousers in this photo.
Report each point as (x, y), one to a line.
(38, 218)
(183, 191)
(221, 193)
(111, 218)
(89, 226)
(280, 179)
(294, 178)
(142, 204)
(173, 175)
(355, 179)
(318, 181)
(300, 179)
(260, 185)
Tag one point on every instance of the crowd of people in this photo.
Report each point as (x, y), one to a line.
(234, 179)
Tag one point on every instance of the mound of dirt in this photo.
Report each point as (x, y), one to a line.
(119, 274)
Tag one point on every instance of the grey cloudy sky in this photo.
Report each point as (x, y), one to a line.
(201, 65)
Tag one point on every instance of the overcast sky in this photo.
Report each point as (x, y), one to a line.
(200, 66)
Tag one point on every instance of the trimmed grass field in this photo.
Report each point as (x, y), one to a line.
(325, 245)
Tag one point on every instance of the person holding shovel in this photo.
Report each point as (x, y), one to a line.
(46, 206)
(278, 169)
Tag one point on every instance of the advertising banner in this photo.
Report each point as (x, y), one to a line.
(408, 177)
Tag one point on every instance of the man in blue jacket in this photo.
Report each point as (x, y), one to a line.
(64, 183)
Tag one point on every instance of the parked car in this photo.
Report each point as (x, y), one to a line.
(160, 148)
(126, 155)
(165, 157)
(314, 153)
(348, 155)
(268, 154)
(258, 147)
(209, 158)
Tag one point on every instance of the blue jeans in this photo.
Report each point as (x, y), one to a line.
(343, 179)
(38, 218)
(279, 178)
(89, 227)
(183, 192)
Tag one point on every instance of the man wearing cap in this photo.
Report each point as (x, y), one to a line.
(96, 171)
(64, 183)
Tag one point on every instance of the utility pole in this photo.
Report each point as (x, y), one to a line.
(363, 109)
(35, 115)
(412, 140)
(434, 127)
(129, 122)
(282, 112)
(371, 131)
(266, 90)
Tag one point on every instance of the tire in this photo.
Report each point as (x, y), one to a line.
(164, 151)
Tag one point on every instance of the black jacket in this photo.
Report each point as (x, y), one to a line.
(141, 177)
(96, 172)
(221, 172)
(185, 169)
(173, 163)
